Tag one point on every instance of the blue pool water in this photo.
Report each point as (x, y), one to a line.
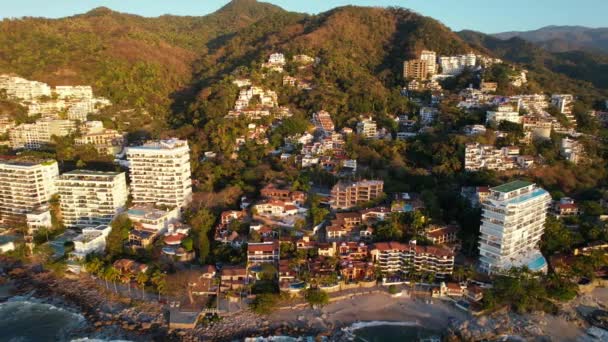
(537, 263)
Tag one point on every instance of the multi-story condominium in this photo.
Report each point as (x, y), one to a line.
(25, 185)
(454, 65)
(91, 240)
(46, 108)
(512, 225)
(263, 252)
(91, 197)
(322, 121)
(33, 136)
(106, 141)
(160, 173)
(78, 92)
(538, 126)
(431, 61)
(345, 195)
(22, 89)
(478, 157)
(572, 150)
(415, 69)
(503, 113)
(564, 104)
(367, 128)
(400, 258)
(535, 103)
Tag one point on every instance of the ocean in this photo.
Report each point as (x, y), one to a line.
(25, 319)
(380, 331)
(376, 331)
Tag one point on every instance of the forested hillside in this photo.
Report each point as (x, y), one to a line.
(168, 65)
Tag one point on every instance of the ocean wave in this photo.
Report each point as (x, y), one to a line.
(87, 339)
(360, 325)
(280, 339)
(17, 306)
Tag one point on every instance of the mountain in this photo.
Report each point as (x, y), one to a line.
(564, 38)
(135, 61)
(172, 67)
(575, 71)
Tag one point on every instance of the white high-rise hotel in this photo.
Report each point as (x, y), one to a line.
(160, 173)
(25, 185)
(512, 225)
(91, 198)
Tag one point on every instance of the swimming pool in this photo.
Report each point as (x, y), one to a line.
(538, 263)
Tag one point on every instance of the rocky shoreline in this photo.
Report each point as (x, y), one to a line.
(104, 311)
(135, 320)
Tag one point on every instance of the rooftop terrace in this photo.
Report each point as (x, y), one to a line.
(512, 186)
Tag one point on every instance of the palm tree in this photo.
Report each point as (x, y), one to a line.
(94, 266)
(158, 279)
(141, 279)
(112, 275)
(459, 273)
(103, 273)
(126, 278)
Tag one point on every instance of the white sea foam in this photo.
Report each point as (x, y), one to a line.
(361, 325)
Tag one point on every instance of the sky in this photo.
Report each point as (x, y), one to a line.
(489, 16)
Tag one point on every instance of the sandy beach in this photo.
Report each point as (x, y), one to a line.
(374, 307)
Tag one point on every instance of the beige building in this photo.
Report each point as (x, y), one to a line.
(400, 258)
(33, 136)
(105, 140)
(415, 69)
(345, 195)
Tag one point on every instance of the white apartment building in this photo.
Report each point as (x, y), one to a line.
(431, 61)
(503, 113)
(277, 59)
(160, 173)
(91, 197)
(39, 218)
(91, 240)
(46, 108)
(512, 225)
(367, 128)
(454, 65)
(564, 104)
(74, 92)
(22, 89)
(535, 103)
(25, 185)
(148, 218)
(572, 150)
(478, 157)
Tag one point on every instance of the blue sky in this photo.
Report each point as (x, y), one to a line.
(488, 16)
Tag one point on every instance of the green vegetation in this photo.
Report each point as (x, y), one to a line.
(118, 237)
(316, 297)
(526, 292)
